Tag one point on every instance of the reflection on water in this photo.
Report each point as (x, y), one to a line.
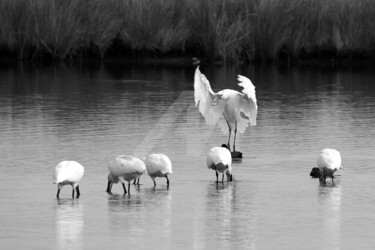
(226, 229)
(220, 202)
(330, 199)
(69, 223)
(144, 219)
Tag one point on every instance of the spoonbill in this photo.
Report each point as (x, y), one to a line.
(158, 165)
(68, 173)
(124, 167)
(220, 160)
(329, 161)
(228, 108)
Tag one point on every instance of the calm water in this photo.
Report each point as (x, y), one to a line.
(93, 114)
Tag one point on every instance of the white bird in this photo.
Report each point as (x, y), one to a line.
(220, 160)
(68, 173)
(329, 161)
(124, 168)
(158, 165)
(229, 108)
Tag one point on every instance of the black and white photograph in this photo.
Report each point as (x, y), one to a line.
(187, 124)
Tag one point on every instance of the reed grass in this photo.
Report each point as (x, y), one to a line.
(229, 30)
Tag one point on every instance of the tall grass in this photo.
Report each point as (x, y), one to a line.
(221, 29)
(229, 30)
(152, 25)
(313, 26)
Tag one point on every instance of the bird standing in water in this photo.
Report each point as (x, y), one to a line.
(68, 173)
(329, 161)
(158, 165)
(220, 160)
(124, 168)
(228, 108)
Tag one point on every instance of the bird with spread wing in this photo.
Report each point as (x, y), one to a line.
(230, 109)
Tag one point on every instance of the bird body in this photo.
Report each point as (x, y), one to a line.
(68, 173)
(329, 161)
(228, 108)
(124, 168)
(220, 160)
(158, 165)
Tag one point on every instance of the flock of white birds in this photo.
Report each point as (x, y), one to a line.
(231, 110)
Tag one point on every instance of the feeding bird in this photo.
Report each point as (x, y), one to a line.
(228, 108)
(124, 168)
(68, 173)
(329, 161)
(158, 165)
(220, 160)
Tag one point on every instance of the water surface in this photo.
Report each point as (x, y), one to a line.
(93, 114)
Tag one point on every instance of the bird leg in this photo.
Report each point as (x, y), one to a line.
(78, 193)
(123, 185)
(235, 133)
(73, 193)
(154, 183)
(230, 131)
(109, 187)
(58, 193)
(222, 180)
(167, 181)
(129, 188)
(136, 181)
(217, 177)
(322, 179)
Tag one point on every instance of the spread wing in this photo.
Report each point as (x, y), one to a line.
(203, 95)
(248, 102)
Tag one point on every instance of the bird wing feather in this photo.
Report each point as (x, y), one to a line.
(330, 159)
(248, 101)
(68, 171)
(125, 164)
(158, 162)
(203, 98)
(218, 155)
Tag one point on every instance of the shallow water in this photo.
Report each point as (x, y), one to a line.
(93, 114)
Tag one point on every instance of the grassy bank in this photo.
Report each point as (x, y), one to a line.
(229, 30)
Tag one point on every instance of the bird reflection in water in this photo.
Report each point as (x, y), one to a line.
(147, 214)
(69, 224)
(330, 197)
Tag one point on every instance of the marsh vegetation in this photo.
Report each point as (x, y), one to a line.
(226, 30)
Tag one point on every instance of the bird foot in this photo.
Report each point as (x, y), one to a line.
(236, 155)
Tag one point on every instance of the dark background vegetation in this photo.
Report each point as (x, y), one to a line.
(213, 30)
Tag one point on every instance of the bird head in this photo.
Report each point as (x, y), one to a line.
(216, 98)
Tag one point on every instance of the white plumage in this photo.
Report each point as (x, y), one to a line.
(227, 108)
(329, 161)
(158, 165)
(68, 173)
(124, 168)
(220, 160)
